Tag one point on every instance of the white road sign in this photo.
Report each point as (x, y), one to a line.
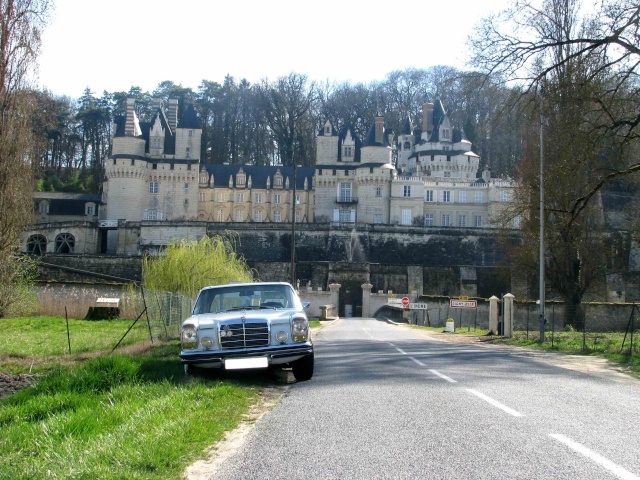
(454, 303)
(418, 306)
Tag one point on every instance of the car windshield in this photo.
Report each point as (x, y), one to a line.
(241, 297)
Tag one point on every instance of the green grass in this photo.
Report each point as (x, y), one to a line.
(43, 336)
(109, 416)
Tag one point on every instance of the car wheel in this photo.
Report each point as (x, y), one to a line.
(303, 369)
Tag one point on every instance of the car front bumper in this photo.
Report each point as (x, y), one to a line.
(277, 355)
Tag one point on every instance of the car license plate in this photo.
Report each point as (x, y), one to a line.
(241, 363)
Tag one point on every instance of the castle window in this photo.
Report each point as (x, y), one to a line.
(334, 172)
(406, 216)
(446, 220)
(220, 214)
(378, 191)
(428, 196)
(191, 133)
(377, 216)
(186, 185)
(65, 242)
(327, 130)
(407, 145)
(297, 199)
(504, 196)
(133, 162)
(37, 245)
(346, 173)
(240, 180)
(186, 203)
(446, 196)
(187, 153)
(90, 209)
(428, 220)
(202, 196)
(258, 198)
(276, 216)
(153, 187)
(154, 166)
(477, 220)
(172, 167)
(447, 174)
(276, 198)
(221, 196)
(239, 197)
(462, 197)
(297, 216)
(189, 167)
(277, 181)
(406, 191)
(238, 215)
(462, 220)
(348, 151)
(479, 198)
(370, 169)
(257, 216)
(43, 207)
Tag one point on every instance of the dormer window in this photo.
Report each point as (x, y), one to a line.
(277, 181)
(240, 179)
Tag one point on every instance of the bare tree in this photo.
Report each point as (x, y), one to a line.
(286, 102)
(20, 27)
(536, 42)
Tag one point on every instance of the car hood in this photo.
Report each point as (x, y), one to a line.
(209, 319)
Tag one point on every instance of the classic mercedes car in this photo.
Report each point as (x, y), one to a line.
(248, 325)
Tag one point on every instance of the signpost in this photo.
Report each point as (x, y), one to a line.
(405, 301)
(456, 303)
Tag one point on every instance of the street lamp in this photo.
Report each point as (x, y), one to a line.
(542, 293)
(293, 229)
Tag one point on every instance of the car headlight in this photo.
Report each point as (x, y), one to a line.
(206, 342)
(189, 337)
(299, 330)
(282, 336)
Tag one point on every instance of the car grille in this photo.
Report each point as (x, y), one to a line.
(245, 335)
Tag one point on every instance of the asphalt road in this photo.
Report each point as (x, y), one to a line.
(389, 402)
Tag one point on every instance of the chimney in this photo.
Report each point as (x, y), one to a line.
(427, 117)
(172, 114)
(379, 130)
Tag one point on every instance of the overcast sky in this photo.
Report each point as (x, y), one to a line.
(118, 44)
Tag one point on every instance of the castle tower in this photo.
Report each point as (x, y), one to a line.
(406, 142)
(327, 145)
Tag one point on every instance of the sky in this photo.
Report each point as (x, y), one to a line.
(118, 44)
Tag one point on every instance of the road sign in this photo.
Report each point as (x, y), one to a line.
(418, 306)
(394, 301)
(405, 301)
(455, 303)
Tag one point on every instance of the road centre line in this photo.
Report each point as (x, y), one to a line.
(617, 470)
(495, 403)
(448, 379)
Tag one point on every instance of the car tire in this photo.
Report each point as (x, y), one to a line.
(303, 369)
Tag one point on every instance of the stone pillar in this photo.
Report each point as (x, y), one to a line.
(366, 299)
(334, 288)
(507, 315)
(493, 315)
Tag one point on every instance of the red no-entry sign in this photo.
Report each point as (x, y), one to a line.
(405, 301)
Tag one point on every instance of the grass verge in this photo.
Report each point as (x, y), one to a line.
(606, 345)
(110, 416)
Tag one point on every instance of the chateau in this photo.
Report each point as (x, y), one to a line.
(426, 177)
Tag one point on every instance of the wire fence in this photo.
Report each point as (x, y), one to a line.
(165, 312)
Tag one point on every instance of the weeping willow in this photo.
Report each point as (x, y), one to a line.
(187, 266)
